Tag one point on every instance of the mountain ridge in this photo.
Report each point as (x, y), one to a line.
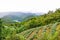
(19, 16)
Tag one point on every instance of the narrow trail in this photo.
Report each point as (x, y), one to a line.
(31, 35)
(39, 32)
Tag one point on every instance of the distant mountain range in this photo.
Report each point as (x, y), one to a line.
(18, 16)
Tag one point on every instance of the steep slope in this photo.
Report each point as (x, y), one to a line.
(49, 32)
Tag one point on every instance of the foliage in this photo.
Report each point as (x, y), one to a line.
(39, 28)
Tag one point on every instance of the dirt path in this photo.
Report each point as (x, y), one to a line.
(31, 35)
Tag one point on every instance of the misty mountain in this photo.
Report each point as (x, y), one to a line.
(17, 16)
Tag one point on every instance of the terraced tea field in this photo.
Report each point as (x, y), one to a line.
(48, 32)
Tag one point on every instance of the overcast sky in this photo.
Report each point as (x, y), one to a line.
(28, 5)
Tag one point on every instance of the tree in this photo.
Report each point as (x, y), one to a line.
(0, 29)
(50, 12)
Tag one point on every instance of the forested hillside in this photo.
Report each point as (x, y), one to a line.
(43, 27)
(49, 18)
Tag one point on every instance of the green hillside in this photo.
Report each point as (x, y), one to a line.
(49, 18)
(48, 32)
(43, 27)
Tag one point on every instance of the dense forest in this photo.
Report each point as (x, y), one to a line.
(43, 27)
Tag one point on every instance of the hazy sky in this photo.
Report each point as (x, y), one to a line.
(28, 5)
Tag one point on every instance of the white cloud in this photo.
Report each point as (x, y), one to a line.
(28, 5)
